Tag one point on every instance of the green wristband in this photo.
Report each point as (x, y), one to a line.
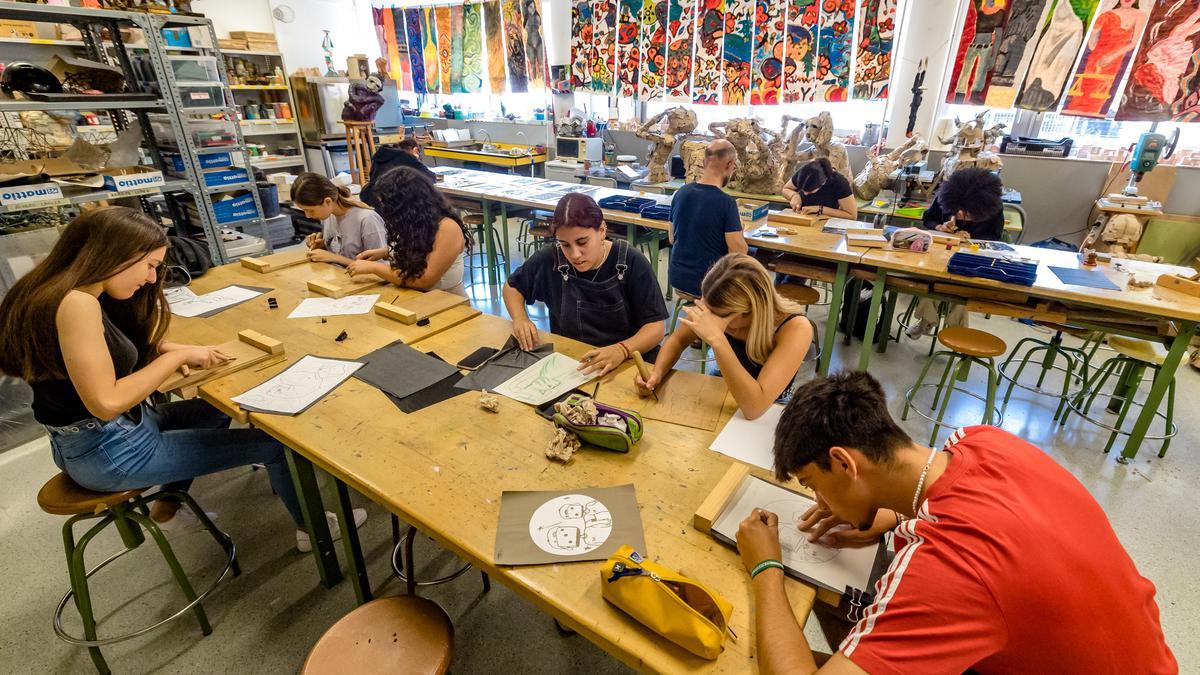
(765, 565)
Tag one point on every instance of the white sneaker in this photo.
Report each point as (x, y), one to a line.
(304, 543)
(921, 327)
(183, 522)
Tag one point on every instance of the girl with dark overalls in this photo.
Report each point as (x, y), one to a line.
(598, 291)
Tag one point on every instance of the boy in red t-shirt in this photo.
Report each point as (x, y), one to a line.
(1004, 561)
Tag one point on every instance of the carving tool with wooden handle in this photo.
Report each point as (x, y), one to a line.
(643, 370)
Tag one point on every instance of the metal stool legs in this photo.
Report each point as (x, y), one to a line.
(404, 567)
(960, 365)
(1075, 370)
(1129, 373)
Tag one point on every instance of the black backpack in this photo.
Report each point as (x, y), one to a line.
(186, 260)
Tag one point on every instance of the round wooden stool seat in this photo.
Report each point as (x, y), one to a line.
(799, 294)
(472, 219)
(971, 342)
(62, 496)
(1141, 350)
(540, 231)
(398, 634)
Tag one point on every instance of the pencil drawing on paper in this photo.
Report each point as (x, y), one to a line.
(556, 374)
(795, 544)
(570, 525)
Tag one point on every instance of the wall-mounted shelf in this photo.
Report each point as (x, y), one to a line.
(17, 106)
(259, 87)
(41, 41)
(171, 185)
(276, 162)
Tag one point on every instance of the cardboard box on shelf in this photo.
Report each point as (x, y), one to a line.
(231, 43)
(251, 35)
(20, 29)
(133, 179)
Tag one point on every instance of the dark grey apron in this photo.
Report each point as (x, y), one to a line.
(594, 312)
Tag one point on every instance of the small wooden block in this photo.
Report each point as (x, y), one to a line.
(250, 348)
(1180, 284)
(268, 344)
(418, 307)
(340, 289)
(790, 217)
(710, 509)
(275, 261)
(396, 312)
(866, 240)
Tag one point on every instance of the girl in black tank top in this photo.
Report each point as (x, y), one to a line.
(757, 344)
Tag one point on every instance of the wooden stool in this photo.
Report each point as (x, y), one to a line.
(799, 293)
(963, 346)
(1134, 357)
(1076, 363)
(682, 300)
(360, 148)
(128, 511)
(398, 634)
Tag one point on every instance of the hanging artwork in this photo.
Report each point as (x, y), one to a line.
(681, 27)
(445, 45)
(981, 33)
(654, 45)
(836, 27)
(629, 47)
(416, 54)
(402, 69)
(581, 44)
(873, 56)
(1115, 32)
(429, 45)
(388, 33)
(739, 33)
(800, 51)
(456, 49)
(604, 51)
(514, 43)
(710, 41)
(472, 49)
(535, 44)
(1015, 51)
(1164, 83)
(380, 32)
(495, 46)
(1054, 58)
(767, 79)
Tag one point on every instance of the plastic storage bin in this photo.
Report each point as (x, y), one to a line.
(235, 209)
(205, 133)
(230, 176)
(195, 68)
(202, 94)
(216, 160)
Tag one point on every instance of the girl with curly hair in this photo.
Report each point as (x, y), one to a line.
(426, 238)
(348, 226)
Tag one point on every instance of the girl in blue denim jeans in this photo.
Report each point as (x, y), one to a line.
(85, 329)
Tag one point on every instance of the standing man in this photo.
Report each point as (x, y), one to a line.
(1004, 561)
(704, 221)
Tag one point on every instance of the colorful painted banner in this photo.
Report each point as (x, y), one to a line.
(767, 80)
(739, 33)
(535, 44)
(380, 30)
(388, 31)
(873, 57)
(681, 27)
(429, 45)
(629, 47)
(1107, 51)
(604, 45)
(495, 46)
(1054, 58)
(402, 69)
(1025, 18)
(412, 22)
(1164, 83)
(445, 46)
(836, 27)
(514, 43)
(472, 49)
(654, 46)
(800, 51)
(581, 44)
(456, 49)
(710, 43)
(981, 35)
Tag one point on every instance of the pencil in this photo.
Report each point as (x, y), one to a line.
(643, 370)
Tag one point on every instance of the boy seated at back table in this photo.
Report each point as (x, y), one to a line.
(967, 204)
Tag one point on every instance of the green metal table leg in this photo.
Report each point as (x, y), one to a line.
(504, 231)
(1162, 380)
(864, 354)
(354, 554)
(654, 251)
(889, 313)
(835, 306)
(305, 479)
(492, 277)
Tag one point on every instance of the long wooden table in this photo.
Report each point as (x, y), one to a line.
(443, 468)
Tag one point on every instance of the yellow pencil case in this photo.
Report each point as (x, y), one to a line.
(672, 605)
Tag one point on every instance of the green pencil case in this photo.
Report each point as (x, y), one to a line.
(602, 435)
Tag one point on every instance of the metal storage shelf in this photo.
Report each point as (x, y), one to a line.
(17, 106)
(172, 185)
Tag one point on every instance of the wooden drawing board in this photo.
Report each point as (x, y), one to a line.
(420, 306)
(790, 217)
(684, 398)
(340, 288)
(275, 261)
(250, 348)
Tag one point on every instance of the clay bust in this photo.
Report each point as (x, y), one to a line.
(818, 131)
(1122, 231)
(876, 174)
(678, 121)
(757, 170)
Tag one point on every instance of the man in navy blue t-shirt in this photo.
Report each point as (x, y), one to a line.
(704, 221)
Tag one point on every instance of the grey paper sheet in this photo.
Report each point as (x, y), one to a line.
(559, 526)
(401, 370)
(504, 365)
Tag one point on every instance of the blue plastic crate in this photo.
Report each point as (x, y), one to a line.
(216, 160)
(225, 177)
(238, 208)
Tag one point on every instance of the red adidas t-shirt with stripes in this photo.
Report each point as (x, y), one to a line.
(1011, 566)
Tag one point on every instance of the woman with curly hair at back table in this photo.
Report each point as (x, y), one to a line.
(426, 237)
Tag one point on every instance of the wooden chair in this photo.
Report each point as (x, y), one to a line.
(128, 511)
(963, 347)
(398, 634)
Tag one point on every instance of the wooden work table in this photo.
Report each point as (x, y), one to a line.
(443, 468)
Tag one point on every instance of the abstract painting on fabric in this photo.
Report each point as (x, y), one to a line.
(416, 54)
(495, 46)
(654, 45)
(873, 56)
(1055, 55)
(433, 78)
(1107, 52)
(681, 29)
(629, 47)
(836, 28)
(767, 80)
(1015, 51)
(739, 34)
(1164, 83)
(514, 42)
(445, 44)
(800, 51)
(472, 49)
(457, 62)
(710, 43)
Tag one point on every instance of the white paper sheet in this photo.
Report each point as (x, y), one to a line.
(303, 383)
(185, 303)
(545, 380)
(832, 568)
(750, 441)
(351, 304)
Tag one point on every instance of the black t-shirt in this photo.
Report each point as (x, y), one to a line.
(595, 307)
(828, 195)
(56, 403)
(991, 229)
(700, 216)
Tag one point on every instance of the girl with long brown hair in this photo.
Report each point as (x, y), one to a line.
(85, 329)
(750, 327)
(348, 226)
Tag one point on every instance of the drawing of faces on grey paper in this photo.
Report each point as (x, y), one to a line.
(795, 544)
(570, 525)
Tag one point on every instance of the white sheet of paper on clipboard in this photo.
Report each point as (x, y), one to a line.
(832, 568)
